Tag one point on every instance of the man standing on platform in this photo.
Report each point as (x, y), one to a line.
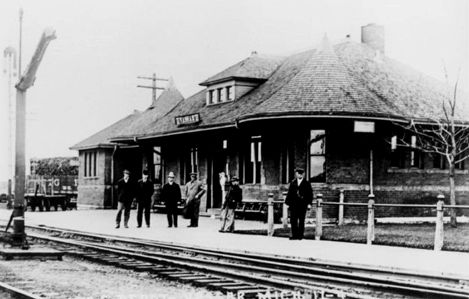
(232, 199)
(171, 195)
(193, 191)
(125, 196)
(145, 191)
(299, 198)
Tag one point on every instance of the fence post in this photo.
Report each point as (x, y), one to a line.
(439, 230)
(285, 211)
(370, 235)
(318, 217)
(341, 208)
(270, 215)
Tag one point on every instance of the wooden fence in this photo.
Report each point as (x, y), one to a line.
(371, 206)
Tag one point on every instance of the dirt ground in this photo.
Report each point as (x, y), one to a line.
(75, 278)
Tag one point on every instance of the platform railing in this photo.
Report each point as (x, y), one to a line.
(370, 205)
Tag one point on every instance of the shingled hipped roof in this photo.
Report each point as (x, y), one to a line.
(256, 67)
(130, 124)
(102, 138)
(348, 79)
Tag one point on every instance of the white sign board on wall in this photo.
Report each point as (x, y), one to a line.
(364, 126)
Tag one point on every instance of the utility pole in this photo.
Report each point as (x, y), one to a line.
(154, 86)
(9, 55)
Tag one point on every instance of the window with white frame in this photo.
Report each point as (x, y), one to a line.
(254, 163)
(397, 154)
(90, 164)
(229, 93)
(211, 97)
(287, 160)
(317, 156)
(220, 94)
(192, 164)
(157, 164)
(416, 156)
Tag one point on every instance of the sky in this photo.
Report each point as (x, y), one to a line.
(88, 77)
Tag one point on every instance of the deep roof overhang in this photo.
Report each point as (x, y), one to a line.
(298, 115)
(172, 133)
(98, 146)
(235, 78)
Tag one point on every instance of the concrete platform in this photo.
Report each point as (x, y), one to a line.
(207, 235)
(36, 253)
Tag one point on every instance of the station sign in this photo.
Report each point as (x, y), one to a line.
(364, 126)
(187, 119)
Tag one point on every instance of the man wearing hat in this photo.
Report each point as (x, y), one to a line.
(145, 190)
(171, 195)
(299, 197)
(193, 191)
(233, 197)
(125, 196)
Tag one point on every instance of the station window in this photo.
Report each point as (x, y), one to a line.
(191, 162)
(397, 154)
(229, 93)
(90, 164)
(221, 95)
(157, 164)
(317, 156)
(211, 96)
(254, 163)
(287, 160)
(416, 156)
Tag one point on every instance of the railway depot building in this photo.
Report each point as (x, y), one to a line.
(332, 111)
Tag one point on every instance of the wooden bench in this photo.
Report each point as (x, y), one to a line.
(257, 209)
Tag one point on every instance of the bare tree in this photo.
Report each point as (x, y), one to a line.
(447, 137)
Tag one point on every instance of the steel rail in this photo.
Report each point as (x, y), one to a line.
(200, 266)
(300, 272)
(266, 257)
(366, 281)
(17, 293)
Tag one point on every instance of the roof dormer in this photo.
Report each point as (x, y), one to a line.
(237, 80)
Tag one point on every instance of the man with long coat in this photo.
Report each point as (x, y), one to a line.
(145, 191)
(125, 196)
(193, 191)
(299, 197)
(171, 195)
(233, 197)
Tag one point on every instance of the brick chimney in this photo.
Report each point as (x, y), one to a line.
(373, 36)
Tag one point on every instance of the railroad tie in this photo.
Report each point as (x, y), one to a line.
(207, 280)
(192, 277)
(238, 287)
(174, 273)
(227, 283)
(144, 267)
(163, 269)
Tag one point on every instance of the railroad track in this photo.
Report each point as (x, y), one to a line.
(14, 288)
(249, 273)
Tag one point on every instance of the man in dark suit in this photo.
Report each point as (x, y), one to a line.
(125, 196)
(232, 199)
(171, 195)
(299, 197)
(145, 190)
